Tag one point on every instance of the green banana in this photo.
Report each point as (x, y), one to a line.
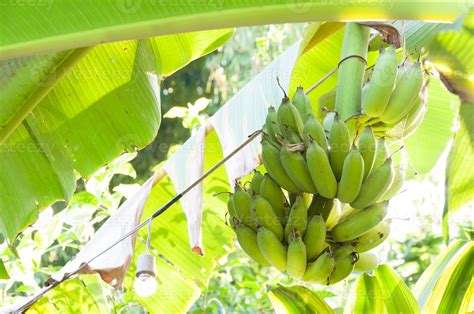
(334, 214)
(416, 114)
(298, 218)
(270, 190)
(321, 205)
(342, 251)
(270, 137)
(319, 270)
(360, 223)
(373, 238)
(409, 129)
(313, 131)
(327, 208)
(402, 69)
(296, 168)
(342, 268)
(230, 208)
(352, 176)
(367, 147)
(328, 121)
(307, 199)
(381, 154)
(327, 100)
(347, 211)
(381, 84)
(367, 262)
(256, 182)
(265, 216)
(248, 241)
(272, 162)
(340, 145)
(315, 237)
(289, 115)
(375, 185)
(271, 248)
(296, 256)
(404, 95)
(417, 108)
(242, 202)
(290, 136)
(397, 183)
(302, 103)
(353, 124)
(272, 125)
(365, 88)
(320, 171)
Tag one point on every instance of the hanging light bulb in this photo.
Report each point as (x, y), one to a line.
(145, 283)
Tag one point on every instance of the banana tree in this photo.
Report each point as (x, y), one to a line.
(50, 98)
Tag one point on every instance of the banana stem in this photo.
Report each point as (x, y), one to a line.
(351, 70)
(330, 73)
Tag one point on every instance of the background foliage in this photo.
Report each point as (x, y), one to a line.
(237, 284)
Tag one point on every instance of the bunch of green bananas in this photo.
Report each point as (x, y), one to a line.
(323, 202)
(393, 95)
(293, 236)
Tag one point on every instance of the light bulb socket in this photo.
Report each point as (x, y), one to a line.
(146, 265)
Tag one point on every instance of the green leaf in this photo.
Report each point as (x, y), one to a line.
(459, 170)
(94, 287)
(25, 81)
(72, 296)
(92, 22)
(321, 59)
(107, 104)
(385, 292)
(420, 34)
(365, 296)
(430, 139)
(297, 299)
(446, 286)
(3, 271)
(397, 297)
(451, 53)
(425, 284)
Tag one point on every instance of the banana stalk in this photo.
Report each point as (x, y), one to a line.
(352, 70)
